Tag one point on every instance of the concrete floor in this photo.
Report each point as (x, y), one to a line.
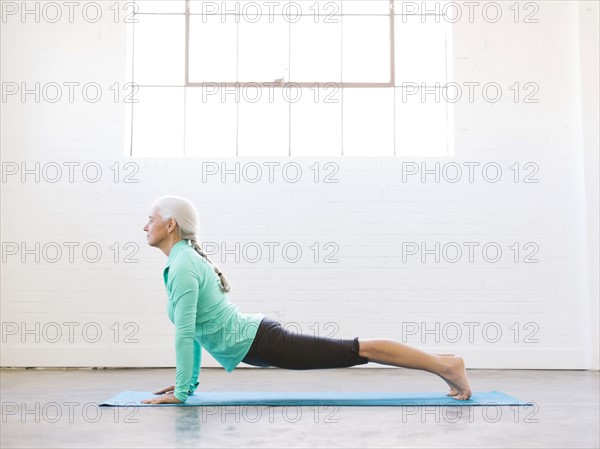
(58, 409)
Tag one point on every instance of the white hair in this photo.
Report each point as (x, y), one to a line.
(184, 213)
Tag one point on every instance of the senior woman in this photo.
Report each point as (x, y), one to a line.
(204, 317)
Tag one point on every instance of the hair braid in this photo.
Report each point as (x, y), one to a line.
(225, 285)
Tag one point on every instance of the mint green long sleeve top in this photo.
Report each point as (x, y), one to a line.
(203, 317)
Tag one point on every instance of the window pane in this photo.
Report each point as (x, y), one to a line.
(263, 122)
(159, 50)
(366, 49)
(366, 6)
(212, 49)
(263, 50)
(369, 122)
(316, 50)
(158, 122)
(420, 50)
(316, 123)
(157, 6)
(210, 123)
(421, 125)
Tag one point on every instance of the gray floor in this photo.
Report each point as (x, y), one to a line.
(58, 408)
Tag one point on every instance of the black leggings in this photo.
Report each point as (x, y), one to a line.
(276, 346)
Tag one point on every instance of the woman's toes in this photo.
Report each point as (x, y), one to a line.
(464, 395)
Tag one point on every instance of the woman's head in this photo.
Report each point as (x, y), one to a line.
(173, 218)
(182, 211)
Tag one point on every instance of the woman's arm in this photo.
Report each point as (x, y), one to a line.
(185, 303)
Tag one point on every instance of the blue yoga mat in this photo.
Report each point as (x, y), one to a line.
(357, 398)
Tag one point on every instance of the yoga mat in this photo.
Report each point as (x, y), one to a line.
(357, 398)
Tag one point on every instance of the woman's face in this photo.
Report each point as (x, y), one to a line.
(156, 229)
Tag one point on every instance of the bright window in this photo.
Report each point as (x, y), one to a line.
(300, 78)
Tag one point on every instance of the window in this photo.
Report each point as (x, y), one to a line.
(289, 78)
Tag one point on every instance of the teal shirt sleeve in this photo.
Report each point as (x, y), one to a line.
(185, 303)
(196, 370)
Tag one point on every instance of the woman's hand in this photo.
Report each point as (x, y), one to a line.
(168, 390)
(164, 399)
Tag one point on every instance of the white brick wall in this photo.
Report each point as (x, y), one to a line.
(370, 291)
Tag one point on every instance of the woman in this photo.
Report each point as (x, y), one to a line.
(204, 317)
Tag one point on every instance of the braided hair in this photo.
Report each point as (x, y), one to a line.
(225, 285)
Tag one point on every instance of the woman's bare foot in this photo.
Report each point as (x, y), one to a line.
(453, 391)
(455, 375)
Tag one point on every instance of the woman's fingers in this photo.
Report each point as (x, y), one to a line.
(164, 399)
(152, 400)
